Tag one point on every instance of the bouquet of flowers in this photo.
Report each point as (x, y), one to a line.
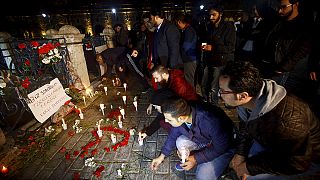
(49, 53)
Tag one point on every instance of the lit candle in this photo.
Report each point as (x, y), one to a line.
(102, 109)
(113, 138)
(135, 103)
(122, 113)
(113, 82)
(99, 132)
(111, 107)
(63, 122)
(64, 125)
(120, 124)
(119, 172)
(124, 98)
(106, 90)
(81, 115)
(140, 140)
(4, 170)
(84, 100)
(125, 86)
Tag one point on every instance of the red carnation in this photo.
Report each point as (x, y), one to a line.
(27, 62)
(25, 83)
(94, 152)
(22, 45)
(107, 149)
(31, 138)
(34, 44)
(76, 153)
(98, 171)
(67, 156)
(76, 176)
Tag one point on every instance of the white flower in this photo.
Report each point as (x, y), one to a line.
(46, 60)
(55, 50)
(50, 53)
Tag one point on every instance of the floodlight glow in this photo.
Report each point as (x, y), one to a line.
(44, 15)
(201, 7)
(113, 11)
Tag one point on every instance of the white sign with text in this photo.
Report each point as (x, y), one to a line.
(46, 100)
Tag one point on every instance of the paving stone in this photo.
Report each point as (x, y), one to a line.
(134, 163)
(136, 146)
(160, 142)
(43, 174)
(78, 164)
(123, 154)
(150, 150)
(29, 172)
(72, 141)
(55, 161)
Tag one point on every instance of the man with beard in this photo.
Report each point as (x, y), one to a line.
(218, 50)
(173, 80)
(288, 46)
(279, 136)
(166, 38)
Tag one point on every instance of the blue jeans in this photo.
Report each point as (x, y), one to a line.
(210, 170)
(313, 170)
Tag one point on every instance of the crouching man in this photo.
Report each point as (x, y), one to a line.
(206, 132)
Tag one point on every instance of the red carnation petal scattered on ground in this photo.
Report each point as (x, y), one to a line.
(76, 176)
(71, 133)
(67, 156)
(76, 153)
(62, 150)
(107, 149)
(94, 152)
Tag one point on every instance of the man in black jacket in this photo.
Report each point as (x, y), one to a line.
(287, 49)
(279, 136)
(218, 51)
(166, 38)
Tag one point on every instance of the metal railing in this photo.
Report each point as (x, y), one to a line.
(25, 66)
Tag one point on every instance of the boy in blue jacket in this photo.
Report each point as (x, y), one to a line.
(207, 132)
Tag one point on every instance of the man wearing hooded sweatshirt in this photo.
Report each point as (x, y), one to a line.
(279, 136)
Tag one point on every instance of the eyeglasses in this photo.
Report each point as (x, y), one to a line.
(282, 7)
(221, 91)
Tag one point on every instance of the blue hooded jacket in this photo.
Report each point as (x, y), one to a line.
(210, 127)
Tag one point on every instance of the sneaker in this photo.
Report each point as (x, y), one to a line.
(178, 167)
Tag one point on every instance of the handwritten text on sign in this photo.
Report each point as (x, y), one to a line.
(46, 100)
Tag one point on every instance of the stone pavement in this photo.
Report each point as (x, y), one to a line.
(135, 158)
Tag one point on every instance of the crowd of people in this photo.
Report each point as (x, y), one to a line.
(266, 66)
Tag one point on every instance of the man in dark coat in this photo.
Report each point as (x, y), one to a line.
(279, 136)
(166, 38)
(218, 51)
